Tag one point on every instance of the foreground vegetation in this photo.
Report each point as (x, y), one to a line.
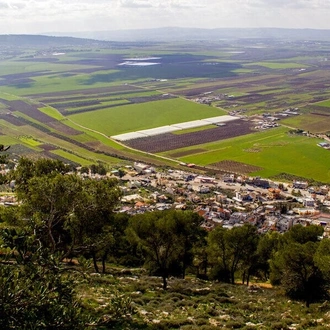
(69, 261)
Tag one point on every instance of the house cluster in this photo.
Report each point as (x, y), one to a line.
(230, 200)
(268, 120)
(208, 98)
(238, 112)
(265, 124)
(289, 112)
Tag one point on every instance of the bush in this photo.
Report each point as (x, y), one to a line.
(235, 325)
(175, 323)
(279, 326)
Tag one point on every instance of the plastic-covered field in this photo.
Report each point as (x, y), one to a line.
(168, 141)
(172, 128)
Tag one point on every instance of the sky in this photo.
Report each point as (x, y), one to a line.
(42, 16)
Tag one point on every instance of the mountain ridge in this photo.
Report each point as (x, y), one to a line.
(193, 34)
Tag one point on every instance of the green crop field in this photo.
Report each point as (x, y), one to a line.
(50, 111)
(14, 67)
(90, 107)
(8, 97)
(72, 157)
(29, 140)
(129, 118)
(279, 65)
(56, 83)
(325, 104)
(309, 122)
(274, 151)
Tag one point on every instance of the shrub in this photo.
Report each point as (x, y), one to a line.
(279, 326)
(235, 325)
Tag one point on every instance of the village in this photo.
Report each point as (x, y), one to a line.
(229, 200)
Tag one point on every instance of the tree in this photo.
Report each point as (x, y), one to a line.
(119, 249)
(11, 216)
(190, 235)
(35, 291)
(233, 250)
(98, 169)
(242, 242)
(84, 170)
(161, 237)
(322, 257)
(297, 265)
(219, 254)
(3, 148)
(268, 244)
(295, 269)
(90, 222)
(27, 168)
(47, 201)
(66, 212)
(301, 234)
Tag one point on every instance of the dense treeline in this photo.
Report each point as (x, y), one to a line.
(62, 217)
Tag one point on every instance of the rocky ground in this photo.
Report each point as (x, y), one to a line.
(133, 300)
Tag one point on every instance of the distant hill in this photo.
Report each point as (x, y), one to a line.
(184, 34)
(24, 41)
(122, 38)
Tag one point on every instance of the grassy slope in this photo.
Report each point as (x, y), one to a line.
(194, 304)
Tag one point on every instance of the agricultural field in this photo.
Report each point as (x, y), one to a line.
(312, 122)
(280, 65)
(170, 141)
(129, 118)
(267, 154)
(325, 104)
(68, 101)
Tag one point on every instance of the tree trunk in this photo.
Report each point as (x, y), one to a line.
(51, 237)
(104, 257)
(205, 264)
(164, 282)
(184, 268)
(95, 263)
(232, 277)
(164, 276)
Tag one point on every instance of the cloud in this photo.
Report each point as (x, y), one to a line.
(186, 4)
(136, 4)
(11, 5)
(76, 15)
(4, 5)
(297, 4)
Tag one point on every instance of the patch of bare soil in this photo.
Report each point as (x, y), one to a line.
(236, 167)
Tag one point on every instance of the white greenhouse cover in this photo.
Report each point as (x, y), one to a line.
(172, 128)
